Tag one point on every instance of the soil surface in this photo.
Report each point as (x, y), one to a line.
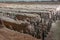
(7, 34)
(54, 33)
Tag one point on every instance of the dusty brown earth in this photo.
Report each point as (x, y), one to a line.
(29, 6)
(7, 34)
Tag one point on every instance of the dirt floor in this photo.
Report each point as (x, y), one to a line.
(54, 33)
(7, 34)
(28, 6)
